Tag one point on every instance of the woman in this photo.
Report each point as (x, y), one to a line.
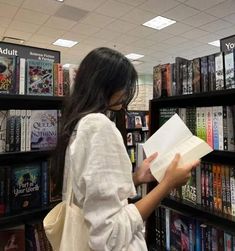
(93, 148)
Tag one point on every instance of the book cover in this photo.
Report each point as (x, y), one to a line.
(43, 124)
(173, 79)
(190, 77)
(196, 75)
(12, 239)
(229, 70)
(180, 64)
(231, 128)
(157, 81)
(211, 72)
(3, 130)
(25, 186)
(219, 71)
(66, 84)
(39, 77)
(232, 189)
(10, 131)
(184, 68)
(204, 74)
(189, 190)
(7, 74)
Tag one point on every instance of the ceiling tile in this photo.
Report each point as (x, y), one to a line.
(159, 36)
(94, 41)
(97, 20)
(12, 2)
(74, 36)
(121, 26)
(203, 4)
(47, 7)
(132, 2)
(89, 5)
(223, 9)
(125, 39)
(62, 23)
(106, 34)
(5, 22)
(159, 6)
(71, 13)
(143, 43)
(176, 40)
(208, 38)
(50, 32)
(226, 32)
(178, 28)
(18, 34)
(141, 31)
(199, 19)
(230, 18)
(2, 30)
(216, 25)
(113, 9)
(24, 26)
(180, 12)
(85, 29)
(194, 33)
(7, 10)
(138, 16)
(42, 39)
(31, 16)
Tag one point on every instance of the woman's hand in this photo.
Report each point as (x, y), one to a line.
(177, 175)
(143, 173)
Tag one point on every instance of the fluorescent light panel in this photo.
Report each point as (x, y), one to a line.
(159, 22)
(215, 43)
(66, 66)
(65, 43)
(134, 56)
(136, 62)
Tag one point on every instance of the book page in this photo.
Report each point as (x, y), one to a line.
(167, 136)
(190, 150)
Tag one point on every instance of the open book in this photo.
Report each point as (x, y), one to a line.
(171, 138)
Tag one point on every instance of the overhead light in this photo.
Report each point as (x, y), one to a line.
(159, 23)
(60, 0)
(136, 62)
(215, 43)
(134, 56)
(65, 43)
(66, 66)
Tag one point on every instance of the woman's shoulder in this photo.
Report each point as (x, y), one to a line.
(95, 121)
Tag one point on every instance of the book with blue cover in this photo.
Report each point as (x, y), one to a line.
(25, 186)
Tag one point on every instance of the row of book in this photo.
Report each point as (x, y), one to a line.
(28, 237)
(33, 77)
(25, 186)
(136, 137)
(175, 232)
(137, 120)
(208, 73)
(215, 125)
(212, 186)
(26, 130)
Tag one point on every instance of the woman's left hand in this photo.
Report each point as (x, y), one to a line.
(143, 173)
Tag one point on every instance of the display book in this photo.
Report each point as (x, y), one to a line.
(29, 131)
(199, 215)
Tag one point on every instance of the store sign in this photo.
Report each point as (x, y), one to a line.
(227, 44)
(8, 49)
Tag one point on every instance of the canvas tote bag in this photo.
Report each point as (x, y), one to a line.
(64, 225)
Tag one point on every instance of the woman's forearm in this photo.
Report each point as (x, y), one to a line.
(147, 204)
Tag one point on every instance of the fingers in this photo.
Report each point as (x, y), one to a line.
(176, 159)
(151, 157)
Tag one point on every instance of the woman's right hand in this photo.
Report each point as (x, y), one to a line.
(177, 175)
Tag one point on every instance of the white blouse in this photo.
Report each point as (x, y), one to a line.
(102, 182)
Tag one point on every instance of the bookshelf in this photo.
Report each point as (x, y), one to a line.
(205, 99)
(17, 164)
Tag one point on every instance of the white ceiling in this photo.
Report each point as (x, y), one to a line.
(118, 24)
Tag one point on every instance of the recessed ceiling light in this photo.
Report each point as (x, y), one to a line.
(159, 23)
(65, 43)
(134, 56)
(60, 0)
(136, 62)
(215, 43)
(66, 66)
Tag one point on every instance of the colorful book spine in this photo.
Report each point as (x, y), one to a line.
(209, 125)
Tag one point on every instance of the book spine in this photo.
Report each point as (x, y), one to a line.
(22, 76)
(220, 127)
(211, 72)
(215, 178)
(157, 81)
(10, 134)
(204, 74)
(224, 202)
(198, 185)
(17, 131)
(228, 191)
(219, 189)
(3, 130)
(23, 130)
(215, 128)
(28, 131)
(60, 80)
(230, 129)
(196, 75)
(232, 189)
(2, 191)
(190, 77)
(219, 71)
(210, 173)
(225, 129)
(209, 126)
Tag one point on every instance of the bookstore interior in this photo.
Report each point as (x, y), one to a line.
(183, 51)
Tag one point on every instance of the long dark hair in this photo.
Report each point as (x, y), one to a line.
(102, 73)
